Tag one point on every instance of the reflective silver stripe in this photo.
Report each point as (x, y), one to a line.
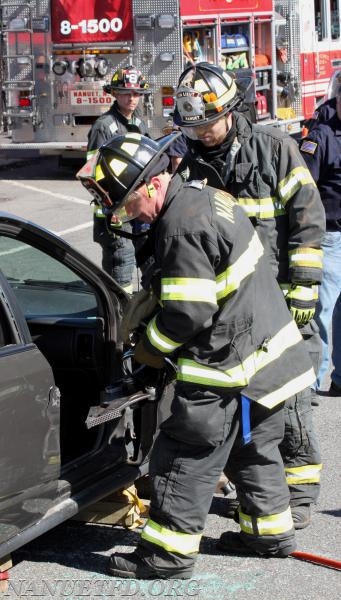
(98, 212)
(294, 181)
(289, 389)
(269, 525)
(173, 541)
(263, 208)
(306, 257)
(288, 336)
(230, 280)
(189, 370)
(188, 289)
(305, 474)
(304, 292)
(159, 340)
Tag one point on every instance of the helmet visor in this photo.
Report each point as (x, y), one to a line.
(195, 132)
(126, 213)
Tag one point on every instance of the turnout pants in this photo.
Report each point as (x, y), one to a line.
(300, 448)
(118, 253)
(188, 456)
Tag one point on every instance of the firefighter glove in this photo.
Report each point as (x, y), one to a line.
(301, 301)
(144, 357)
(137, 312)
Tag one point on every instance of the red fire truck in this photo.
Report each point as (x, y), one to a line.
(308, 53)
(58, 54)
(293, 48)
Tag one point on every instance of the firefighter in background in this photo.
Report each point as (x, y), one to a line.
(126, 86)
(321, 151)
(262, 168)
(327, 110)
(239, 356)
(322, 114)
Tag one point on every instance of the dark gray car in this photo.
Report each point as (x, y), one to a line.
(60, 355)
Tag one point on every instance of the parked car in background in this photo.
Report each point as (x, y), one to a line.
(60, 355)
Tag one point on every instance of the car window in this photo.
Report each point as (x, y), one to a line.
(43, 285)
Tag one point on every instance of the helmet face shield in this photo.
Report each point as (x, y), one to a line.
(125, 212)
(194, 133)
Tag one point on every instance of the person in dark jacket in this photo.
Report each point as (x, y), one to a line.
(321, 150)
(322, 114)
(263, 170)
(325, 111)
(223, 318)
(126, 86)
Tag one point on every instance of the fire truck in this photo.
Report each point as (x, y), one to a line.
(57, 55)
(293, 48)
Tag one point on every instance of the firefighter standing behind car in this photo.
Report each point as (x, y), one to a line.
(262, 168)
(239, 356)
(126, 86)
(321, 151)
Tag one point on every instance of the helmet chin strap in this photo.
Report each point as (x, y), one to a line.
(121, 232)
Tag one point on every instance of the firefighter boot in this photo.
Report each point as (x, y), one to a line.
(143, 564)
(301, 516)
(231, 506)
(232, 543)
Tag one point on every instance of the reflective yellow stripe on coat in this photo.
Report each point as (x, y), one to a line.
(189, 289)
(262, 208)
(172, 541)
(296, 179)
(240, 375)
(269, 525)
(306, 474)
(230, 280)
(159, 340)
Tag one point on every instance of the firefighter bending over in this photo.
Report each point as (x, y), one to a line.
(224, 321)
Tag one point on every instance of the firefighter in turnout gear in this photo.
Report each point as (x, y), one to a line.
(321, 152)
(126, 86)
(239, 355)
(262, 168)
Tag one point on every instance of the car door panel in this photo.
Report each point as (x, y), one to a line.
(75, 348)
(29, 434)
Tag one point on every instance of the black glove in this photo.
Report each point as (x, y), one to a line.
(144, 357)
